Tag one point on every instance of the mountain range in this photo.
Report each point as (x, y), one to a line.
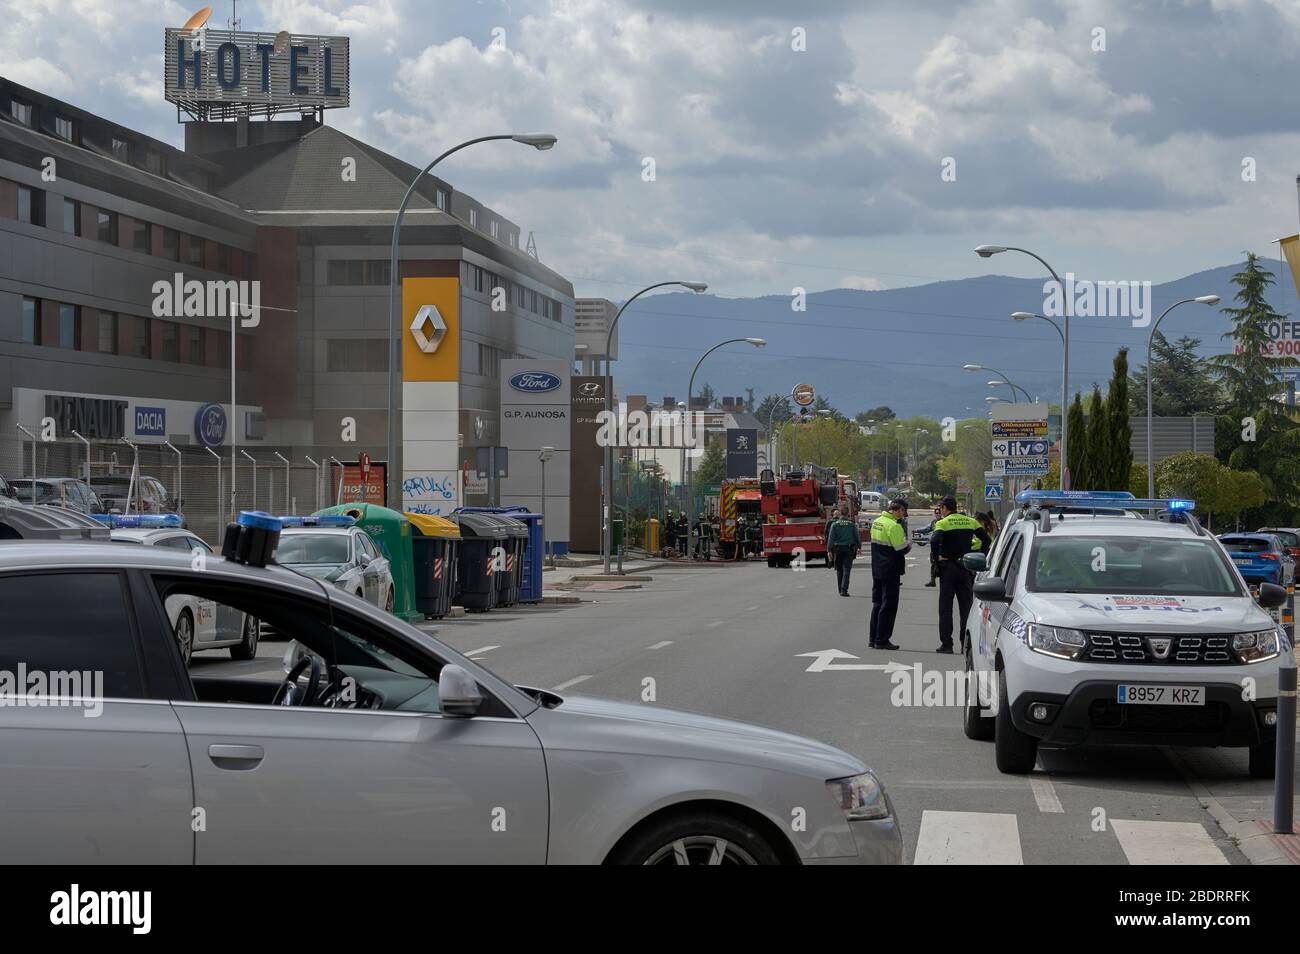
(905, 347)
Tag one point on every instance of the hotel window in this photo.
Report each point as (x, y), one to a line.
(21, 111)
(31, 206)
(473, 217)
(72, 216)
(140, 236)
(68, 327)
(519, 296)
(31, 321)
(107, 332)
(223, 258)
(121, 149)
(63, 128)
(478, 278)
(532, 301)
(171, 244)
(106, 226)
(171, 342)
(195, 337)
(440, 198)
(141, 342)
(196, 251)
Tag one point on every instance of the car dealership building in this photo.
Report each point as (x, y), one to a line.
(112, 245)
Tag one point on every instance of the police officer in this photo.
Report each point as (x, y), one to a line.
(955, 535)
(843, 543)
(889, 546)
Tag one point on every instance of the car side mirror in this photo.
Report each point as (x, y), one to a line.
(458, 693)
(975, 562)
(992, 589)
(1271, 595)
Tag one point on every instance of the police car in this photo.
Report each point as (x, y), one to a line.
(1090, 626)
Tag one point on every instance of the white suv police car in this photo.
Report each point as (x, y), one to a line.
(1090, 626)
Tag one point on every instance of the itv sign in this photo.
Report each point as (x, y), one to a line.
(150, 421)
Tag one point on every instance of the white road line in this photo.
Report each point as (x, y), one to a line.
(968, 838)
(1166, 843)
(666, 642)
(482, 649)
(780, 596)
(572, 682)
(748, 608)
(716, 622)
(1040, 783)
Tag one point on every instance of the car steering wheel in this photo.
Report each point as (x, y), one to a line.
(290, 693)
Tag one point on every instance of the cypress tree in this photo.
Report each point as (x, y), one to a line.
(1077, 451)
(1097, 444)
(1119, 432)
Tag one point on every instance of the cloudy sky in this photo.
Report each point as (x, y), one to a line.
(778, 166)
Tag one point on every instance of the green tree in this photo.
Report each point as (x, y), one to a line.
(1181, 385)
(776, 406)
(927, 479)
(705, 397)
(711, 467)
(1077, 453)
(1119, 432)
(878, 414)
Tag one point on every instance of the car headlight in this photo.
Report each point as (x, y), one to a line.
(1256, 647)
(1057, 641)
(860, 797)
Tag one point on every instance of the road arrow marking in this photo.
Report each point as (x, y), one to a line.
(824, 660)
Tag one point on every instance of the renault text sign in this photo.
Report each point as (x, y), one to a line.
(224, 68)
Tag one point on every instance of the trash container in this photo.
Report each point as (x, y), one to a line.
(524, 537)
(391, 532)
(435, 548)
(530, 587)
(482, 550)
(616, 535)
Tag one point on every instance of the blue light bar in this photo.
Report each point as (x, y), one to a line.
(1182, 504)
(258, 520)
(1068, 497)
(1101, 500)
(151, 521)
(326, 520)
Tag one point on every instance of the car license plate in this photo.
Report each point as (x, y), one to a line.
(1243, 562)
(1129, 694)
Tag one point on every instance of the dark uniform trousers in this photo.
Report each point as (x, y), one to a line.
(843, 557)
(954, 580)
(884, 607)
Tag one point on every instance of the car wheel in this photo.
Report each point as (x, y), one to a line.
(185, 635)
(1014, 751)
(771, 561)
(1263, 760)
(975, 723)
(247, 646)
(698, 839)
(388, 603)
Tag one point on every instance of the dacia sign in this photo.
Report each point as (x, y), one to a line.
(534, 382)
(228, 68)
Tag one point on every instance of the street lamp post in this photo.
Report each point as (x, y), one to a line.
(220, 490)
(540, 142)
(1202, 300)
(690, 496)
(607, 471)
(987, 251)
(252, 461)
(1005, 380)
(543, 455)
(314, 464)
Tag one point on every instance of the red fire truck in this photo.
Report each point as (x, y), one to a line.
(795, 508)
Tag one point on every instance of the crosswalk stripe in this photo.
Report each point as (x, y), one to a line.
(1166, 843)
(968, 838)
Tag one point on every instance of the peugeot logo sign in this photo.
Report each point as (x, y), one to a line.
(534, 382)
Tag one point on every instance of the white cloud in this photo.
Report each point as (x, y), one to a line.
(862, 282)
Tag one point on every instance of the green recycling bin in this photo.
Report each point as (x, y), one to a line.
(391, 532)
(435, 548)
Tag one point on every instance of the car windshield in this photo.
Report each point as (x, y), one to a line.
(44, 491)
(312, 548)
(1288, 538)
(1140, 565)
(1247, 544)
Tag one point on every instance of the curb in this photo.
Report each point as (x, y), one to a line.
(559, 598)
(611, 578)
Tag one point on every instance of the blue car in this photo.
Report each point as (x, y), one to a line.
(1260, 557)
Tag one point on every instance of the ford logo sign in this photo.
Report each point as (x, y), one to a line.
(210, 425)
(534, 382)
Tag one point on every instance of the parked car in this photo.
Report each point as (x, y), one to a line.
(1290, 537)
(7, 489)
(344, 556)
(197, 623)
(383, 745)
(72, 493)
(1260, 557)
(147, 495)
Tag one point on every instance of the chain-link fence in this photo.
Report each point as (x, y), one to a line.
(195, 482)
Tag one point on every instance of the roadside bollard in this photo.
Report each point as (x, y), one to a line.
(1284, 775)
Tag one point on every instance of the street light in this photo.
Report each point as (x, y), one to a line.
(1202, 300)
(690, 496)
(987, 251)
(607, 474)
(540, 142)
(1013, 386)
(543, 455)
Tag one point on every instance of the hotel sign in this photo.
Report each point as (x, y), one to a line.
(224, 68)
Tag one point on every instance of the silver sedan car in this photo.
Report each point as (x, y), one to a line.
(382, 745)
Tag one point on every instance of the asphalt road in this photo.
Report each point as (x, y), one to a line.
(729, 640)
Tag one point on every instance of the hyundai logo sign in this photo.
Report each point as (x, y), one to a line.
(210, 425)
(534, 382)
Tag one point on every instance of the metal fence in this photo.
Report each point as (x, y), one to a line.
(191, 475)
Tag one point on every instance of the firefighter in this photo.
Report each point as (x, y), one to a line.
(889, 546)
(683, 535)
(668, 532)
(955, 535)
(842, 544)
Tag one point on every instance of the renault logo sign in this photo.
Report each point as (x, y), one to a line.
(428, 329)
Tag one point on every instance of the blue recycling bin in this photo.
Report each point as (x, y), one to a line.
(529, 562)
